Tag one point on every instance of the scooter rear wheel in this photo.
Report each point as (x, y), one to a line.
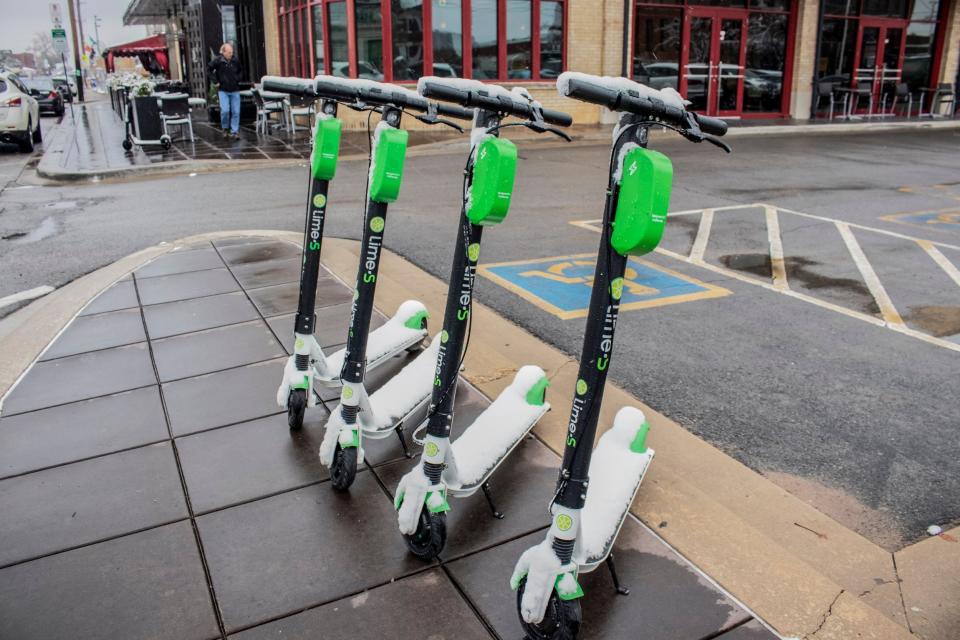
(430, 537)
(561, 621)
(296, 407)
(343, 471)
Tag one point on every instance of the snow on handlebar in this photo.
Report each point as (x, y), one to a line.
(490, 97)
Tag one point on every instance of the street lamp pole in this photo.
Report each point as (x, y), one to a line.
(77, 47)
(83, 42)
(96, 30)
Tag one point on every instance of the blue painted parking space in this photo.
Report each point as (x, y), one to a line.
(947, 219)
(561, 285)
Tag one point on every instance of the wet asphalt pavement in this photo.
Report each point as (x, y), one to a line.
(855, 417)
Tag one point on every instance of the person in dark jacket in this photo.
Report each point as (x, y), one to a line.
(225, 72)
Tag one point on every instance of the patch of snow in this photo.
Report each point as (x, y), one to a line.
(413, 489)
(464, 84)
(435, 500)
(497, 430)
(330, 437)
(381, 126)
(621, 158)
(615, 474)
(668, 95)
(567, 585)
(541, 566)
(404, 391)
(934, 530)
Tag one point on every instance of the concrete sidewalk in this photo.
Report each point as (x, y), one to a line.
(151, 488)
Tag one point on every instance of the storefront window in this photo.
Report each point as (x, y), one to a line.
(841, 7)
(519, 40)
(407, 21)
(885, 8)
(837, 44)
(339, 51)
(551, 39)
(766, 61)
(925, 10)
(318, 38)
(369, 35)
(918, 54)
(656, 54)
(483, 20)
(447, 38)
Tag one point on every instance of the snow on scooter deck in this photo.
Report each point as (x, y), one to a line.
(382, 344)
(498, 430)
(403, 394)
(619, 463)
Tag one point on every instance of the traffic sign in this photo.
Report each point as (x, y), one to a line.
(56, 15)
(59, 40)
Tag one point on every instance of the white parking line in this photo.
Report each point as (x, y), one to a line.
(703, 235)
(941, 260)
(29, 294)
(777, 266)
(887, 310)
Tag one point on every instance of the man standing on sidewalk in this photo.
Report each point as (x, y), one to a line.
(225, 72)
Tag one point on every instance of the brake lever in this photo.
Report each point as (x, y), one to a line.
(435, 120)
(540, 127)
(717, 142)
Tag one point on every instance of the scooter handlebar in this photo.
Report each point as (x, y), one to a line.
(713, 126)
(490, 97)
(293, 86)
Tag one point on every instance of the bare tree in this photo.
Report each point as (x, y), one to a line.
(43, 51)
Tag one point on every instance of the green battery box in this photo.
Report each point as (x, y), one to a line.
(387, 170)
(326, 148)
(494, 169)
(647, 177)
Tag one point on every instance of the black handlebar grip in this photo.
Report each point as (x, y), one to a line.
(713, 126)
(334, 91)
(294, 86)
(444, 92)
(558, 118)
(589, 92)
(454, 111)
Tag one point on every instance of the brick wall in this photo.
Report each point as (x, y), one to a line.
(951, 45)
(804, 58)
(271, 37)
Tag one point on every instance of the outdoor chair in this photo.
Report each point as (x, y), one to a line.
(175, 111)
(265, 109)
(299, 106)
(864, 88)
(899, 93)
(936, 99)
(826, 90)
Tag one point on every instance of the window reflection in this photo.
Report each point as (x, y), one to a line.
(656, 56)
(837, 44)
(407, 23)
(339, 54)
(551, 39)
(766, 60)
(483, 23)
(918, 54)
(519, 40)
(447, 38)
(369, 39)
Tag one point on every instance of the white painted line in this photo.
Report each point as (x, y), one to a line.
(777, 265)
(703, 235)
(941, 260)
(887, 310)
(29, 294)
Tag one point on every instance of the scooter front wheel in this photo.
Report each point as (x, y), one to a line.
(343, 471)
(561, 621)
(430, 537)
(296, 407)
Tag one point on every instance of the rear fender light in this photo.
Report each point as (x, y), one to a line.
(12, 102)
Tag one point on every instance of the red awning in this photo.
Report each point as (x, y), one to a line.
(151, 51)
(153, 43)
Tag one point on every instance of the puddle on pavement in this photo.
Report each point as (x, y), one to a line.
(938, 321)
(757, 264)
(47, 227)
(800, 270)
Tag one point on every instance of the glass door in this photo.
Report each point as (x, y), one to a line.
(879, 56)
(714, 60)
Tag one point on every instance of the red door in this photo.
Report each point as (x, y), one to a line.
(879, 63)
(714, 60)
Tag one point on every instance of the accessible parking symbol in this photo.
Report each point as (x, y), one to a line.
(561, 285)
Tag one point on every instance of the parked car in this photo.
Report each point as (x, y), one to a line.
(66, 86)
(48, 96)
(19, 113)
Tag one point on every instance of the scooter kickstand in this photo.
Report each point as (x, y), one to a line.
(622, 591)
(403, 441)
(486, 492)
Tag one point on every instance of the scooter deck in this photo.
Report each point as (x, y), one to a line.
(490, 439)
(616, 473)
(382, 344)
(402, 395)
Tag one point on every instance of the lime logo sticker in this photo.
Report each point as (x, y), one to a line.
(581, 387)
(473, 252)
(444, 336)
(376, 225)
(319, 201)
(564, 522)
(616, 288)
(347, 393)
(298, 344)
(431, 449)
